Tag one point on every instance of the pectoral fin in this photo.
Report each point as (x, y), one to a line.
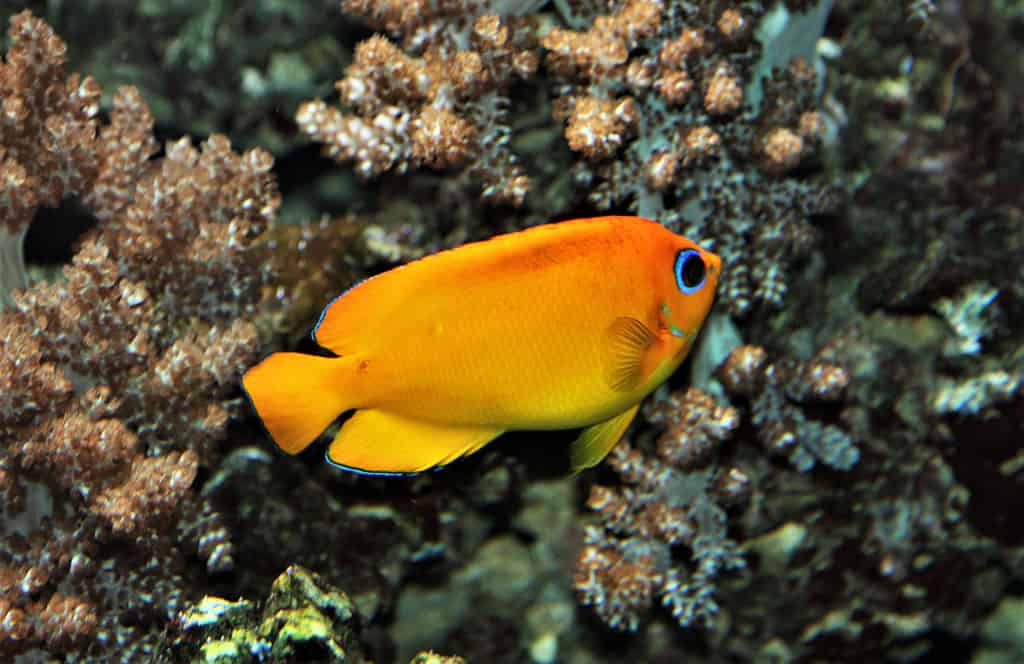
(595, 442)
(378, 442)
(627, 346)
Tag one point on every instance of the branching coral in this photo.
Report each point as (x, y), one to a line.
(440, 105)
(974, 394)
(669, 501)
(970, 316)
(117, 377)
(49, 145)
(660, 102)
(778, 393)
(663, 103)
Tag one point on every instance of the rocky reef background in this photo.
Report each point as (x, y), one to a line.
(836, 475)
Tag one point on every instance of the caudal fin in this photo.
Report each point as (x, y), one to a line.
(297, 396)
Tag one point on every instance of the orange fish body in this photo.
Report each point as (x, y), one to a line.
(559, 326)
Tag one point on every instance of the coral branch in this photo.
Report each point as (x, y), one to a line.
(440, 106)
(627, 561)
(663, 103)
(777, 391)
(118, 379)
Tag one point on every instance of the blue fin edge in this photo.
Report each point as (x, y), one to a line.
(373, 473)
(323, 313)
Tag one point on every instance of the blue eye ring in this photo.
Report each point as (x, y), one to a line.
(690, 270)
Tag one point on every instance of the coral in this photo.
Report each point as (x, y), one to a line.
(969, 315)
(779, 392)
(975, 394)
(438, 103)
(670, 500)
(430, 657)
(302, 618)
(203, 69)
(372, 537)
(207, 531)
(133, 481)
(309, 262)
(663, 101)
(50, 146)
(149, 494)
(302, 615)
(63, 623)
(914, 511)
(120, 375)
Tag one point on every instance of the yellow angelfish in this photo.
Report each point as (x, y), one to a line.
(559, 326)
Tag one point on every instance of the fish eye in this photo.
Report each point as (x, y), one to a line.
(690, 271)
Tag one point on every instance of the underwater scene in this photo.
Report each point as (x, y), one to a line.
(542, 332)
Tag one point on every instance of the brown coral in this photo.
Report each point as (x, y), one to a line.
(118, 378)
(67, 621)
(440, 105)
(777, 390)
(597, 128)
(704, 152)
(602, 51)
(151, 493)
(723, 94)
(669, 500)
(51, 143)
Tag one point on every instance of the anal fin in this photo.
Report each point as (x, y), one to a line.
(596, 441)
(378, 442)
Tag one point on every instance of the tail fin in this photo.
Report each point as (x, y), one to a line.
(297, 396)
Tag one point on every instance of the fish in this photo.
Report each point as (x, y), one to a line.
(564, 325)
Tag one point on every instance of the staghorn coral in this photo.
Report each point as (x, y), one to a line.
(119, 376)
(670, 500)
(665, 105)
(779, 392)
(441, 105)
